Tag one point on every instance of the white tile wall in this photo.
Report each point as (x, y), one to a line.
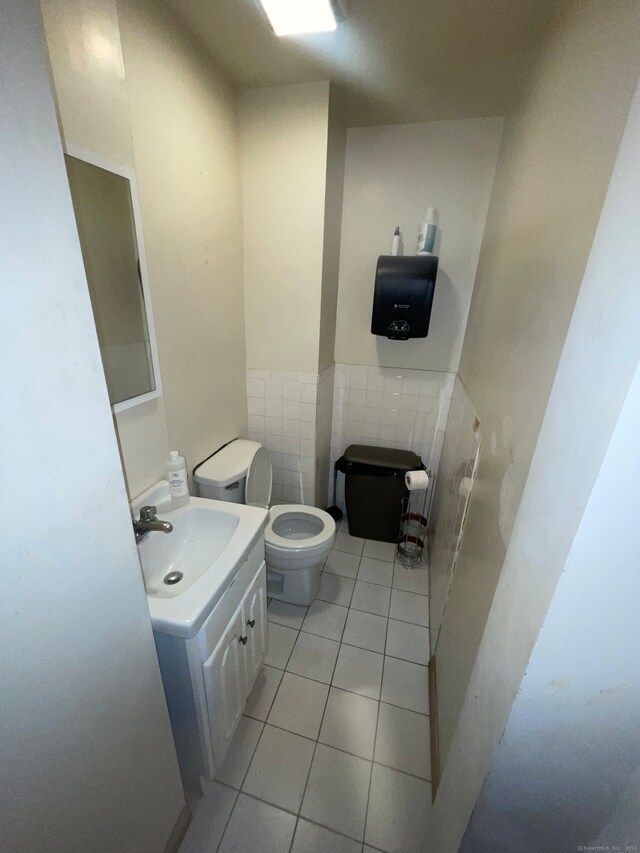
(387, 407)
(458, 462)
(283, 418)
(324, 412)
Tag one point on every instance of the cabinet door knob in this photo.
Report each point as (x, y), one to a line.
(243, 640)
(251, 623)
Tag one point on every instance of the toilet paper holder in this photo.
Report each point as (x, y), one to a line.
(412, 536)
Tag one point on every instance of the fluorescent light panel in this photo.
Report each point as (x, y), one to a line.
(293, 17)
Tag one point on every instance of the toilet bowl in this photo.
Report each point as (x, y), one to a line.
(298, 538)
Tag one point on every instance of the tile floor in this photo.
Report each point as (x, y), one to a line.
(332, 753)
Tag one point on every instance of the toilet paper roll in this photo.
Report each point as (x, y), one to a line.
(416, 480)
(465, 487)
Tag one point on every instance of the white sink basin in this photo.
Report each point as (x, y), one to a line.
(207, 546)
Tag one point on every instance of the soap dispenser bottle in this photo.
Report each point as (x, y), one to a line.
(178, 480)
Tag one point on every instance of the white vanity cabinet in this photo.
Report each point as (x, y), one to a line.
(208, 678)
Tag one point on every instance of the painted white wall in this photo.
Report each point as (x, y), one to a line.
(174, 117)
(555, 163)
(87, 760)
(185, 135)
(572, 743)
(284, 132)
(594, 377)
(391, 175)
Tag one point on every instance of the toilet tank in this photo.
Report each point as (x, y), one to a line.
(223, 475)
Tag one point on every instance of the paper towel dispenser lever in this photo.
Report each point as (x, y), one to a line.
(403, 296)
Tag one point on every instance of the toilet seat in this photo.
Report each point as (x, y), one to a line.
(300, 523)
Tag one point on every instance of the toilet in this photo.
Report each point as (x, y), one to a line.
(297, 538)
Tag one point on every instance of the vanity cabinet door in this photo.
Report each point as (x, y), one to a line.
(225, 680)
(254, 607)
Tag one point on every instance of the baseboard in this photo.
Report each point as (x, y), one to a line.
(179, 831)
(433, 728)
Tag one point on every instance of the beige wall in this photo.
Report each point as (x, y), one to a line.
(392, 174)
(554, 167)
(87, 761)
(284, 134)
(184, 123)
(336, 150)
(177, 112)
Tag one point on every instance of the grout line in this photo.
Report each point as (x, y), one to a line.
(231, 811)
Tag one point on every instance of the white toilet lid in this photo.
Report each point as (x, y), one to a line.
(279, 514)
(259, 479)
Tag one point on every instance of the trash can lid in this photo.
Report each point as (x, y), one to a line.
(382, 457)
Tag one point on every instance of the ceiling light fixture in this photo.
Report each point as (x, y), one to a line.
(295, 17)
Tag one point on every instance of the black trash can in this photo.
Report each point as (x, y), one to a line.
(374, 488)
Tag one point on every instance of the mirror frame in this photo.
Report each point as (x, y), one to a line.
(129, 173)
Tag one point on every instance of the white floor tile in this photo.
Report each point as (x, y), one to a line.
(336, 589)
(281, 641)
(299, 705)
(409, 607)
(402, 741)
(314, 657)
(350, 723)
(311, 838)
(209, 819)
(348, 544)
(365, 630)
(263, 693)
(375, 571)
(359, 671)
(379, 550)
(411, 580)
(240, 752)
(408, 642)
(337, 791)
(279, 769)
(339, 563)
(406, 684)
(257, 826)
(398, 813)
(290, 615)
(325, 619)
(371, 598)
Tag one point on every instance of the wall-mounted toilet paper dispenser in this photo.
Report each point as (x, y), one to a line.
(403, 296)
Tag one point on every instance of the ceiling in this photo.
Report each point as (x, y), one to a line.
(393, 61)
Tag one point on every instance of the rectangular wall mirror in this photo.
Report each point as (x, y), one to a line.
(107, 214)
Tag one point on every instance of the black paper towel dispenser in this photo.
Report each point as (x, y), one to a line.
(403, 296)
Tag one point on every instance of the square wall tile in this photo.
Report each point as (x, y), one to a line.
(337, 791)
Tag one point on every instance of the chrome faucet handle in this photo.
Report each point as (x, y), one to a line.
(148, 513)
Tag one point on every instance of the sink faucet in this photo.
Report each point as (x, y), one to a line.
(149, 521)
